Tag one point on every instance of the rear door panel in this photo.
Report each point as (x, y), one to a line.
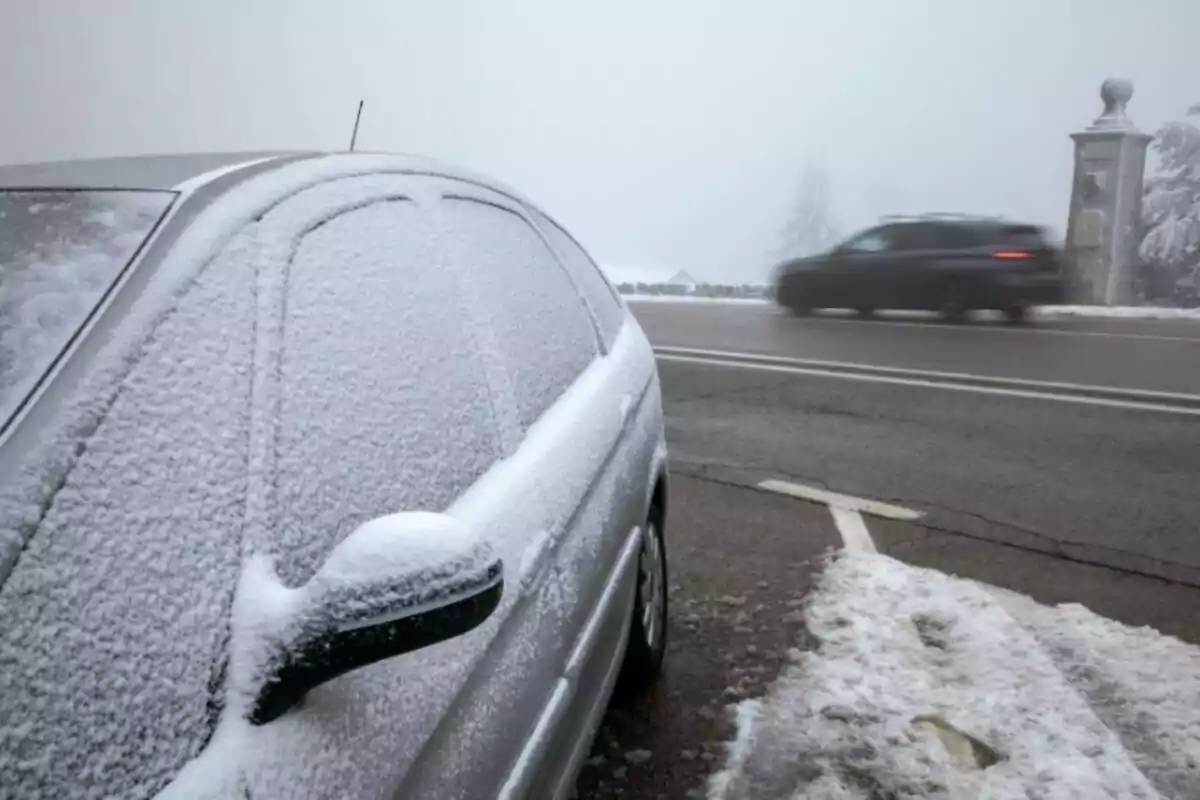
(548, 506)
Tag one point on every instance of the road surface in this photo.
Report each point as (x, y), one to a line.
(1086, 491)
(1102, 466)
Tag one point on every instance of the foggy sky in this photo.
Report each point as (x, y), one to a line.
(668, 134)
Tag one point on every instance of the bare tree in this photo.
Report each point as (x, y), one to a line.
(811, 227)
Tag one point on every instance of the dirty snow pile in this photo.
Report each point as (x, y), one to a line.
(928, 686)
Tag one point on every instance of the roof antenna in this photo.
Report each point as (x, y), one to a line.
(357, 117)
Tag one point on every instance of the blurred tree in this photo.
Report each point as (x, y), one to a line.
(1170, 248)
(810, 228)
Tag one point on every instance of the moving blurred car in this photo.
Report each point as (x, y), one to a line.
(320, 476)
(946, 263)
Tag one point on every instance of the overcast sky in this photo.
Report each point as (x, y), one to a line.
(666, 134)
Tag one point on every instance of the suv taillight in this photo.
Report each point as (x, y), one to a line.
(1012, 255)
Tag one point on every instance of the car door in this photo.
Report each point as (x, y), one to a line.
(372, 396)
(617, 505)
(912, 257)
(550, 508)
(857, 276)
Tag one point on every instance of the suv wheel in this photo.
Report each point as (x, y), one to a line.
(953, 307)
(1016, 315)
(648, 631)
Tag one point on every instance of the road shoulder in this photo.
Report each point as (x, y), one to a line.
(741, 562)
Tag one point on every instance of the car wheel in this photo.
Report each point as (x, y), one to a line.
(648, 630)
(800, 310)
(1016, 315)
(865, 313)
(953, 307)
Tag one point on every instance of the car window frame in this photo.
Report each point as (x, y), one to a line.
(534, 215)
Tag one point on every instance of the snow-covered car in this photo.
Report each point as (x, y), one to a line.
(321, 475)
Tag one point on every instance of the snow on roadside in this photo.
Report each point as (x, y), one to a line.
(1119, 312)
(1042, 312)
(689, 298)
(929, 686)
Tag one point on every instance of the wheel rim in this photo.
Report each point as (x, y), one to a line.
(650, 573)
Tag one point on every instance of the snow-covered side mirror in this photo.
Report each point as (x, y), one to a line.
(394, 585)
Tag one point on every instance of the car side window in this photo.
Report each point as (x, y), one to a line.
(917, 236)
(384, 404)
(601, 298)
(875, 241)
(956, 237)
(542, 331)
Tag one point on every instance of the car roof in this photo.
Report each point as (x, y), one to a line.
(182, 171)
(155, 172)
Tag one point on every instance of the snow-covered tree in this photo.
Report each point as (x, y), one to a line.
(1170, 246)
(810, 228)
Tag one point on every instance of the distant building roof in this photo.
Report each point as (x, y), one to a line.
(682, 277)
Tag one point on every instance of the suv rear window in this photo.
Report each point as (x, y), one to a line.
(1027, 236)
(61, 250)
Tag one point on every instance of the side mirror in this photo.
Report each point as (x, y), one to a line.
(396, 584)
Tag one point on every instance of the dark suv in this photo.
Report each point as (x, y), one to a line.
(951, 264)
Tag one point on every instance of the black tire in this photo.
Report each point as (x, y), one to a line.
(953, 307)
(645, 648)
(1016, 315)
(865, 313)
(800, 310)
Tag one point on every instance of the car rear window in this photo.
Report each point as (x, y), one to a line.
(1029, 236)
(61, 250)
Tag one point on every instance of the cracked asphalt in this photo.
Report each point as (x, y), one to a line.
(1064, 502)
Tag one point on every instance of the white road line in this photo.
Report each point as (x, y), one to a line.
(930, 374)
(933, 384)
(850, 525)
(842, 501)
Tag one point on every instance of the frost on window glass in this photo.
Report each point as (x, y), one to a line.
(60, 250)
(115, 616)
(540, 323)
(607, 311)
(384, 403)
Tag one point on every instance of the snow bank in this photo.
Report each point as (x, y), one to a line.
(685, 298)
(929, 686)
(1043, 312)
(617, 273)
(1119, 312)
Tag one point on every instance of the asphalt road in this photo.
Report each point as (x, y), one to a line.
(1040, 491)
(1116, 484)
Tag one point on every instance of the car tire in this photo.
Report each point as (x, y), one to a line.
(953, 307)
(865, 313)
(800, 310)
(647, 642)
(1016, 315)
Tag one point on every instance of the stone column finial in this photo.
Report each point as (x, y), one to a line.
(1116, 94)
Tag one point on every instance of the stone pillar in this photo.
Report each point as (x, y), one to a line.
(1106, 203)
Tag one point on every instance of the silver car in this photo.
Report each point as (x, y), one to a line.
(320, 476)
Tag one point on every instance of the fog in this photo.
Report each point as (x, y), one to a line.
(666, 135)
